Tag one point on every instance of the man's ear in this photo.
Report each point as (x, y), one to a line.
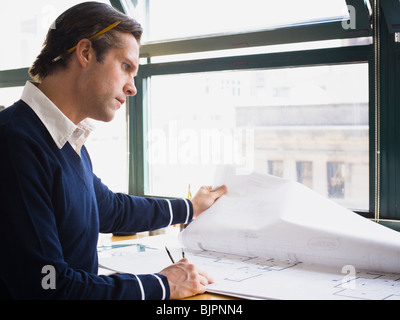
(84, 52)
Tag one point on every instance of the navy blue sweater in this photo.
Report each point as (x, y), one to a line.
(52, 208)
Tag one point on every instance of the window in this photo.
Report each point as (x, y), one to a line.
(305, 173)
(108, 149)
(285, 97)
(185, 19)
(336, 179)
(306, 117)
(275, 168)
(10, 95)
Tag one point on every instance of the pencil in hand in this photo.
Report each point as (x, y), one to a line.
(169, 254)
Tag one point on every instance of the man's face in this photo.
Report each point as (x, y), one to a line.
(107, 84)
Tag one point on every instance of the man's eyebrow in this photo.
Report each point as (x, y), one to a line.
(130, 61)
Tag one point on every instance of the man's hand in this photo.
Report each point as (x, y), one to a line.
(205, 198)
(185, 280)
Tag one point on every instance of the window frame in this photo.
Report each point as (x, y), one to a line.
(13, 77)
(295, 34)
(330, 56)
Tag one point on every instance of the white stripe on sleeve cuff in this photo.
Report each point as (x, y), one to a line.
(162, 286)
(187, 211)
(170, 212)
(141, 287)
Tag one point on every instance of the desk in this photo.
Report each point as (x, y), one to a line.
(204, 296)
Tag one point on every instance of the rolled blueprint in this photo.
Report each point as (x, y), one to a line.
(270, 217)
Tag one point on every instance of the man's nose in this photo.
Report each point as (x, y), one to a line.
(130, 88)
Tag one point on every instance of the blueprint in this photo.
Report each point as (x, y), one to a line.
(267, 216)
(256, 277)
(260, 278)
(270, 238)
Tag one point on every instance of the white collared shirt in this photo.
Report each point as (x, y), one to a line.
(60, 127)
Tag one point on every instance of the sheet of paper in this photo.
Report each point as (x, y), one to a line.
(258, 278)
(266, 216)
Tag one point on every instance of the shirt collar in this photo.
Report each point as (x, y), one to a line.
(60, 127)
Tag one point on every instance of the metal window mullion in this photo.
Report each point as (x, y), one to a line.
(268, 60)
(136, 141)
(376, 44)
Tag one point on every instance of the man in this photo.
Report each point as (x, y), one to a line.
(52, 205)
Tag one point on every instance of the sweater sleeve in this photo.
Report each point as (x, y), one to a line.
(30, 242)
(125, 213)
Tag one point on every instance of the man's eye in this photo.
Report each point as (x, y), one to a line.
(125, 66)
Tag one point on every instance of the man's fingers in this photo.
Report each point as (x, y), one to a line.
(209, 279)
(219, 191)
(203, 281)
(203, 277)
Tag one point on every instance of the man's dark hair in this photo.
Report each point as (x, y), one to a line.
(81, 22)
